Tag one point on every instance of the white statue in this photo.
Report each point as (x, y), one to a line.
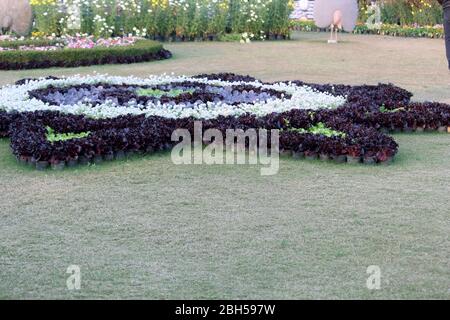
(336, 14)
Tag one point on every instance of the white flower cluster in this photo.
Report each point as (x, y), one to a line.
(15, 98)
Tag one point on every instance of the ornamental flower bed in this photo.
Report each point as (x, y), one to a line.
(79, 120)
(8, 43)
(32, 48)
(414, 31)
(102, 96)
(76, 51)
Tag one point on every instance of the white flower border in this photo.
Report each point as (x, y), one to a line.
(15, 98)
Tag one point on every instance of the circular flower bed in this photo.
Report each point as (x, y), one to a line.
(77, 120)
(73, 52)
(68, 42)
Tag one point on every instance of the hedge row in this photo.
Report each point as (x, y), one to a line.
(141, 51)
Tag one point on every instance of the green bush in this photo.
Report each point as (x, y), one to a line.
(163, 19)
(231, 37)
(142, 50)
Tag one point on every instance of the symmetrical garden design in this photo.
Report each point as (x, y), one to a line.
(77, 120)
(76, 51)
(162, 20)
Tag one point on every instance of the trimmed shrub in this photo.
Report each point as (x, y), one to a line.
(385, 30)
(141, 51)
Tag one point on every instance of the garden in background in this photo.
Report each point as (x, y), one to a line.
(81, 120)
(163, 20)
(401, 18)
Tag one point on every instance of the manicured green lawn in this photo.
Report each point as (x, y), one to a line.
(146, 228)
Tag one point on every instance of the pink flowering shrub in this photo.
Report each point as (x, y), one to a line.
(90, 42)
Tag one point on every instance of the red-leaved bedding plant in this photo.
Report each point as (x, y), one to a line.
(368, 110)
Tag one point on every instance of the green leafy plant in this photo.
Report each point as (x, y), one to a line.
(408, 12)
(53, 137)
(178, 20)
(47, 16)
(395, 30)
(321, 129)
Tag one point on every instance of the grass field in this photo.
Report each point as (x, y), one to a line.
(146, 228)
